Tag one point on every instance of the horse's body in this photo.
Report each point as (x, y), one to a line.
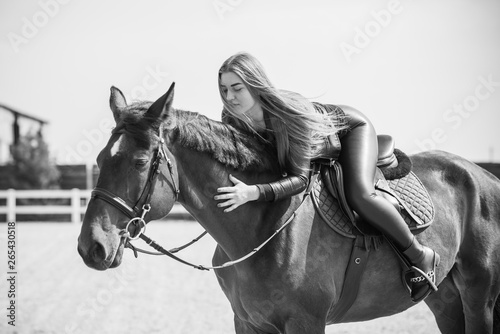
(292, 284)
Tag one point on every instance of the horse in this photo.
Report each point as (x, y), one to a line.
(292, 284)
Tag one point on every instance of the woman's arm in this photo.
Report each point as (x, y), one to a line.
(241, 193)
(286, 187)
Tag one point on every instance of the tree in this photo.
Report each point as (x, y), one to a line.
(33, 168)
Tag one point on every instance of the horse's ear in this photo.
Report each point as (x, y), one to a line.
(162, 106)
(117, 102)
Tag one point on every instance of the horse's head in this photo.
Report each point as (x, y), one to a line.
(136, 174)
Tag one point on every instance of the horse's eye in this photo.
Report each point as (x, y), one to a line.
(141, 162)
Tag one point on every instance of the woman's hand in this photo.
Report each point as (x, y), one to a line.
(237, 195)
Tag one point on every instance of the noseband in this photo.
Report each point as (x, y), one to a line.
(138, 211)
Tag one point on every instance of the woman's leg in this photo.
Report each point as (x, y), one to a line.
(358, 159)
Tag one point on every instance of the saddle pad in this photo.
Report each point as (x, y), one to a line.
(409, 189)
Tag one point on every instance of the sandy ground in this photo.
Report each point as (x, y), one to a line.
(57, 293)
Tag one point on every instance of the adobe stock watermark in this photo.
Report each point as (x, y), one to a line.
(97, 137)
(31, 26)
(364, 36)
(89, 309)
(222, 7)
(455, 116)
(153, 78)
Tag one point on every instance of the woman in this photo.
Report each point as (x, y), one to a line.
(298, 129)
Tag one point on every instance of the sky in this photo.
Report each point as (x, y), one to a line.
(425, 72)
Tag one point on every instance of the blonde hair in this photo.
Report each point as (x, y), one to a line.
(300, 130)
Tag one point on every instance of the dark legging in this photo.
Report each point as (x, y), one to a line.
(358, 159)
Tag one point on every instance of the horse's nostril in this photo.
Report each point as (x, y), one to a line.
(98, 253)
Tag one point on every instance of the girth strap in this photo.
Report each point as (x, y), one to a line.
(352, 279)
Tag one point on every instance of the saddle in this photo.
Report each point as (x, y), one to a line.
(393, 180)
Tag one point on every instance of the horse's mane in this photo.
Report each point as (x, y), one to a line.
(228, 145)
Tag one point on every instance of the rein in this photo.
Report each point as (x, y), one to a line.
(137, 216)
(163, 251)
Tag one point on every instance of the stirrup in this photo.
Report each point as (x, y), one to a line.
(416, 275)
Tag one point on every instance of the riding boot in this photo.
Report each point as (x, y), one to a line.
(388, 220)
(424, 279)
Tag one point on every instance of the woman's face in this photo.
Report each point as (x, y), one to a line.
(238, 96)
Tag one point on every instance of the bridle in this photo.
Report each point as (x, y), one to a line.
(142, 206)
(138, 211)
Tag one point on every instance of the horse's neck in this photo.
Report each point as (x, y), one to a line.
(199, 177)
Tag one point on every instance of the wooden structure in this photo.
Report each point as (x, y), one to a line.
(12, 137)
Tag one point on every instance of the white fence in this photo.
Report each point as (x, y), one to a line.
(78, 200)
